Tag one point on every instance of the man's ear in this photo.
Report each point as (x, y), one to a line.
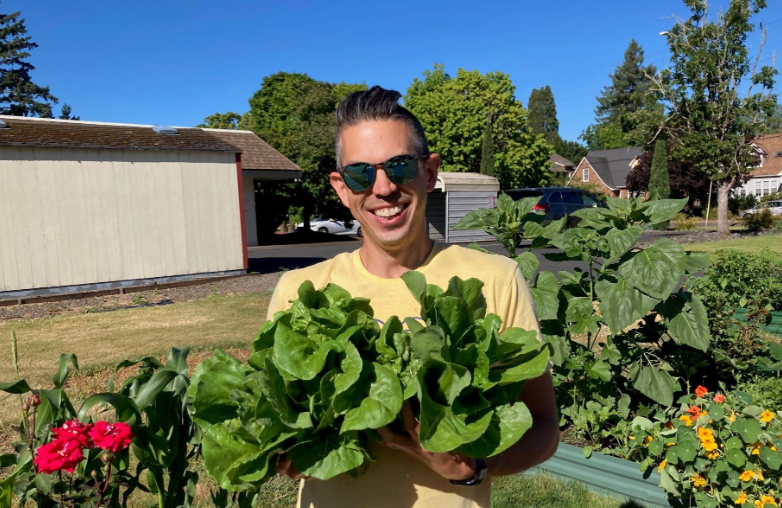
(432, 168)
(339, 185)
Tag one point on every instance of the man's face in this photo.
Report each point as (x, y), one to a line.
(391, 215)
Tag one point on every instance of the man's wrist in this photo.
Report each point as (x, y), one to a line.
(479, 472)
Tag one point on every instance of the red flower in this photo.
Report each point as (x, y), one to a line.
(694, 412)
(719, 398)
(113, 437)
(57, 455)
(73, 430)
(701, 391)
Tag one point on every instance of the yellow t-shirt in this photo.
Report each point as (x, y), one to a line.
(397, 480)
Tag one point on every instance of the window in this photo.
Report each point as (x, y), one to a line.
(555, 197)
(585, 175)
(779, 154)
(570, 198)
(766, 187)
(589, 200)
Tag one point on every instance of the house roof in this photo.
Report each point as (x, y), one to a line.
(772, 162)
(256, 153)
(49, 133)
(612, 166)
(560, 164)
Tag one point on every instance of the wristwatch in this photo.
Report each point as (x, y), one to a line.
(480, 475)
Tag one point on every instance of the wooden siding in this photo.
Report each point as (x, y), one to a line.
(435, 215)
(75, 216)
(459, 204)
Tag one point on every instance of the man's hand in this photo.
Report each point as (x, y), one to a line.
(285, 467)
(451, 466)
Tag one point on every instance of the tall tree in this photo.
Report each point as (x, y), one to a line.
(659, 184)
(718, 94)
(65, 113)
(19, 96)
(453, 112)
(295, 114)
(229, 120)
(487, 150)
(543, 114)
(571, 150)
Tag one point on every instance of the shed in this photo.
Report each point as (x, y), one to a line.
(89, 205)
(454, 195)
(259, 161)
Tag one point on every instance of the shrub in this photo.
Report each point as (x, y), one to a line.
(774, 196)
(683, 222)
(715, 450)
(761, 220)
(737, 204)
(766, 392)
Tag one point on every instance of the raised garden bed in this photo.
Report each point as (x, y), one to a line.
(772, 326)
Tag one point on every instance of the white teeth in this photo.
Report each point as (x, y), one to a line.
(388, 212)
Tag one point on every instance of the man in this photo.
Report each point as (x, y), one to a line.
(384, 173)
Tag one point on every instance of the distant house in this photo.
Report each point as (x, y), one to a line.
(560, 165)
(607, 169)
(767, 177)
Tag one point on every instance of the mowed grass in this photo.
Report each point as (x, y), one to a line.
(753, 245)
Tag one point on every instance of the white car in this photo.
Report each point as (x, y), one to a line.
(332, 226)
(774, 206)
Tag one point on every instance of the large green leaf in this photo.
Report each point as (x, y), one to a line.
(224, 449)
(657, 211)
(126, 409)
(656, 270)
(655, 383)
(545, 295)
(747, 428)
(772, 458)
(15, 387)
(686, 317)
(150, 390)
(416, 283)
(381, 405)
(528, 264)
(298, 355)
(328, 456)
(213, 382)
(621, 304)
(471, 291)
(620, 241)
(508, 425)
(64, 369)
(696, 262)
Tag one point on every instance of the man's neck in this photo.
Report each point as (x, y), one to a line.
(391, 264)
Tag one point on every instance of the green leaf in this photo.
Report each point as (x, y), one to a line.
(43, 482)
(658, 211)
(747, 428)
(328, 456)
(620, 241)
(150, 390)
(225, 450)
(734, 443)
(213, 382)
(620, 303)
(752, 410)
(508, 424)
(587, 452)
(416, 283)
(599, 370)
(667, 483)
(528, 264)
(545, 295)
(382, 404)
(655, 383)
(686, 450)
(63, 370)
(8, 459)
(298, 355)
(655, 270)
(126, 409)
(686, 317)
(773, 459)
(696, 262)
(736, 458)
(15, 387)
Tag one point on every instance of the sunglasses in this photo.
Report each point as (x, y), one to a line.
(360, 176)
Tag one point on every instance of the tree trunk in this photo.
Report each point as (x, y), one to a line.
(723, 226)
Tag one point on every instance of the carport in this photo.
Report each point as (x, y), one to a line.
(453, 197)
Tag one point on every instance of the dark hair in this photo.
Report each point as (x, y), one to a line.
(377, 103)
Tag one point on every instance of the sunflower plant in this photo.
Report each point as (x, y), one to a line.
(715, 450)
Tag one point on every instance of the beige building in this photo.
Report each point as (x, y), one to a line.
(87, 205)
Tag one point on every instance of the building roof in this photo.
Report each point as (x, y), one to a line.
(560, 164)
(612, 166)
(448, 182)
(256, 153)
(772, 160)
(49, 133)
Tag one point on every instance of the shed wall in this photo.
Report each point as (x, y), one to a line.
(435, 215)
(459, 204)
(76, 216)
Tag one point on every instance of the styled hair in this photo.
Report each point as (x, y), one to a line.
(377, 103)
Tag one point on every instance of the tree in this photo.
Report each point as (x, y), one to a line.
(571, 150)
(717, 95)
(453, 112)
(604, 137)
(487, 150)
(19, 96)
(295, 114)
(659, 184)
(543, 114)
(65, 113)
(229, 120)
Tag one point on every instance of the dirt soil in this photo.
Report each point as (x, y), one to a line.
(245, 285)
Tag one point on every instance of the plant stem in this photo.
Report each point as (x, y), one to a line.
(15, 359)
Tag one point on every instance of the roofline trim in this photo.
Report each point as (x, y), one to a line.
(593, 169)
(237, 131)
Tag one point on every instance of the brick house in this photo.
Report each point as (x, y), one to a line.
(560, 166)
(766, 178)
(607, 169)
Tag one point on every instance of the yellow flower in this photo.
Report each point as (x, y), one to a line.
(766, 416)
(741, 499)
(632, 438)
(772, 447)
(712, 455)
(662, 466)
(703, 432)
(756, 446)
(698, 481)
(732, 417)
(747, 475)
(767, 500)
(647, 440)
(709, 447)
(671, 443)
(759, 476)
(686, 419)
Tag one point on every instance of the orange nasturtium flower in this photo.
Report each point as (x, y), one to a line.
(662, 466)
(669, 425)
(694, 412)
(647, 440)
(701, 391)
(747, 475)
(766, 501)
(686, 419)
(732, 417)
(713, 455)
(698, 481)
(719, 398)
(756, 446)
(741, 499)
(766, 416)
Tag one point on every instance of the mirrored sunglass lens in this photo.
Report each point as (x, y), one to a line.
(359, 177)
(402, 169)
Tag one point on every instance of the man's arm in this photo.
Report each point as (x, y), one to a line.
(541, 441)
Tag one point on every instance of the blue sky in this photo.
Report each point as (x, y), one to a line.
(174, 62)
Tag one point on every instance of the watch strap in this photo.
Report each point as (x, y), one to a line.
(480, 474)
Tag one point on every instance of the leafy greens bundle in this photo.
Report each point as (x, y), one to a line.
(324, 375)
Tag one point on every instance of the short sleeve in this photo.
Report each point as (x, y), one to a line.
(280, 300)
(517, 307)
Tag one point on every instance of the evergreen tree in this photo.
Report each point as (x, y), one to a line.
(629, 91)
(66, 113)
(487, 150)
(659, 182)
(19, 96)
(543, 114)
(571, 150)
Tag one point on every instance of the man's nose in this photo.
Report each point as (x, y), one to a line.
(383, 185)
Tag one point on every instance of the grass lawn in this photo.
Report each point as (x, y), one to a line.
(753, 244)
